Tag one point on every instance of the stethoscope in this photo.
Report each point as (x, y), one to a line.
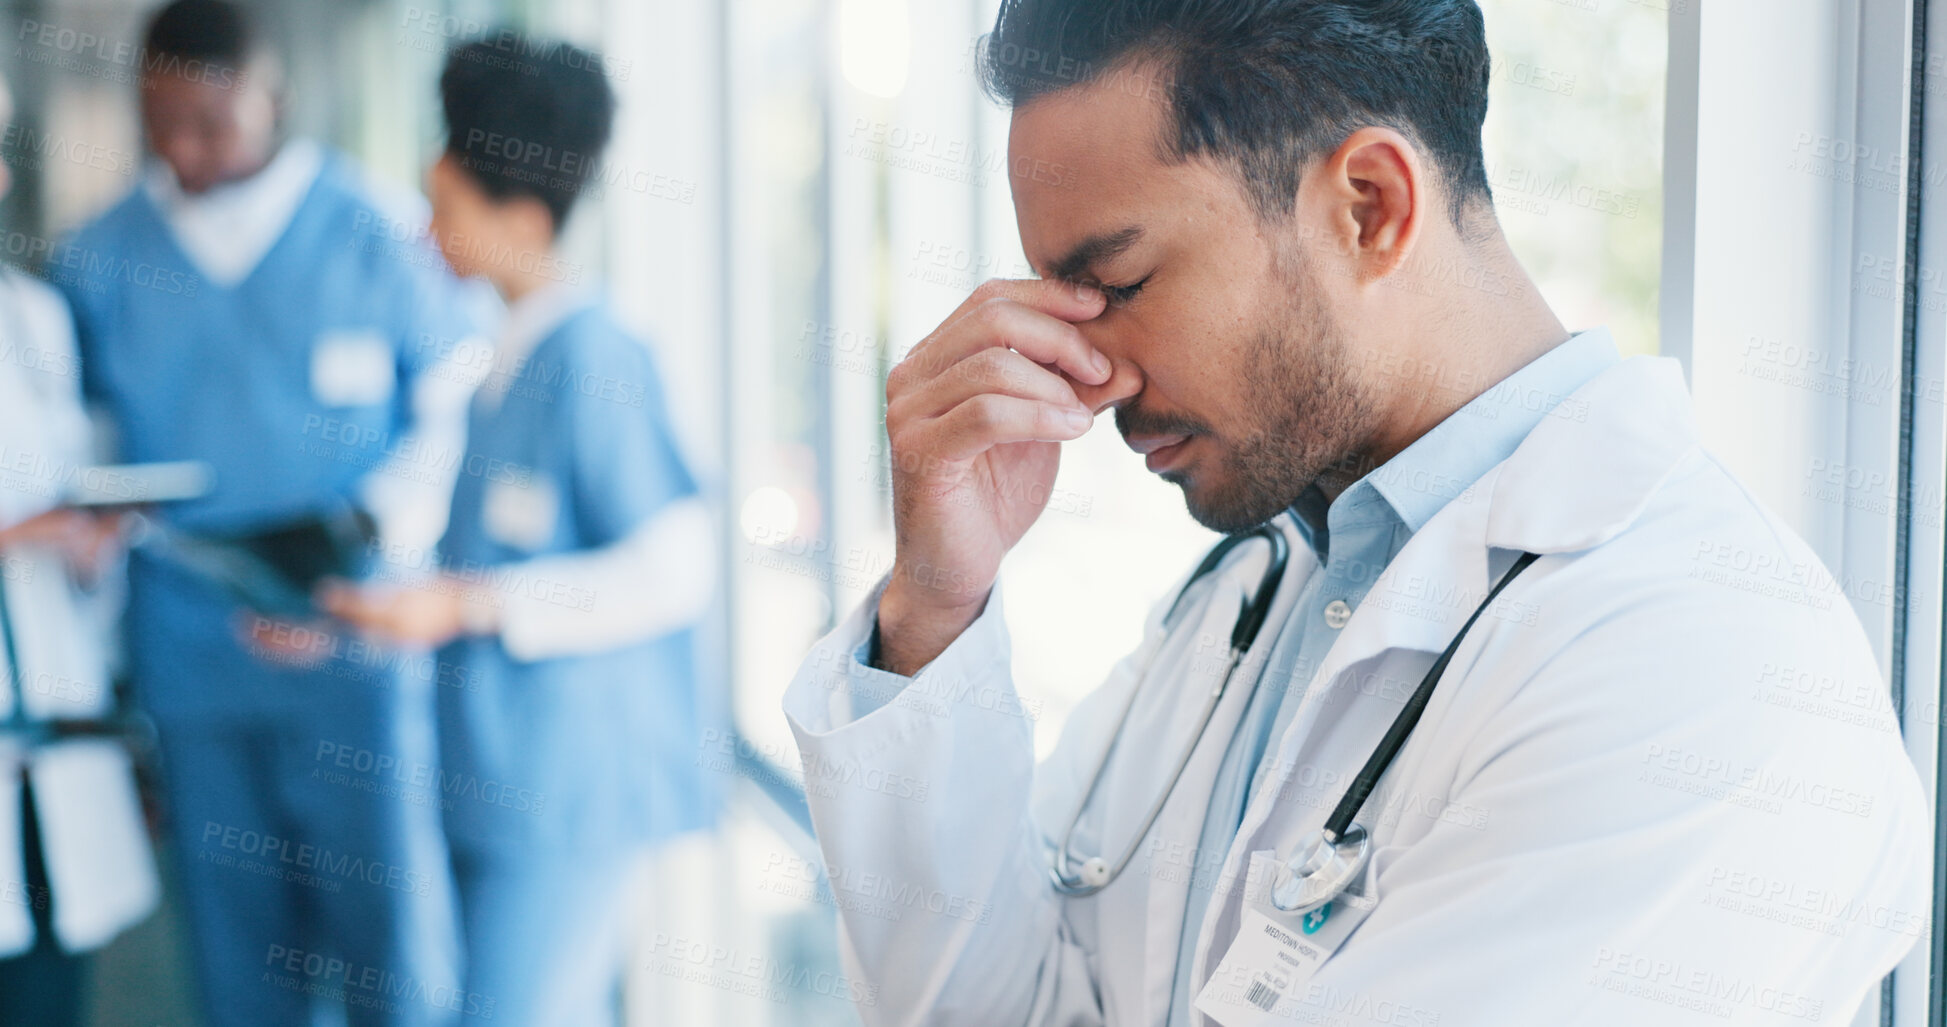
(1329, 859)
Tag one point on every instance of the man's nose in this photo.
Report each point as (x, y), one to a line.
(1125, 382)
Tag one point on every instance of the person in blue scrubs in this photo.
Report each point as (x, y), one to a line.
(256, 304)
(578, 555)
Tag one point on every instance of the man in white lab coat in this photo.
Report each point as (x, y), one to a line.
(75, 863)
(1660, 781)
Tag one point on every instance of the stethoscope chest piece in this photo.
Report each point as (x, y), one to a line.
(1320, 870)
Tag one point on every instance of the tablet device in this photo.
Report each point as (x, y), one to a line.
(136, 484)
(273, 570)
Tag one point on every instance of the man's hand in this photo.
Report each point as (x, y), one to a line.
(975, 416)
(88, 542)
(431, 615)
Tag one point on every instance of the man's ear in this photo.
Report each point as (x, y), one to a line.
(265, 69)
(1376, 187)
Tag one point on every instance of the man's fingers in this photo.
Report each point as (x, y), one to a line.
(1001, 371)
(1069, 301)
(1035, 318)
(990, 419)
(1004, 324)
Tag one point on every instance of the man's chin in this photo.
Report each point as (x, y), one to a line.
(1219, 509)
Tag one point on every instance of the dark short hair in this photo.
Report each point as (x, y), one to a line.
(527, 117)
(211, 31)
(1267, 86)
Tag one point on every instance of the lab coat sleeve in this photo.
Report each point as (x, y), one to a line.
(43, 424)
(932, 799)
(929, 796)
(84, 298)
(1642, 834)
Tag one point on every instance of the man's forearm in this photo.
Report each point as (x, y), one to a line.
(910, 634)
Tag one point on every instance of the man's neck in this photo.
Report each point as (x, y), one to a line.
(255, 167)
(515, 283)
(1472, 341)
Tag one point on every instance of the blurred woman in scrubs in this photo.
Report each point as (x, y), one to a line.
(576, 558)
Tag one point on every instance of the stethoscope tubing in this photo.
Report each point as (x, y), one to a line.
(1250, 620)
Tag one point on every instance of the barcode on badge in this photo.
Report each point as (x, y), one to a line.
(1262, 995)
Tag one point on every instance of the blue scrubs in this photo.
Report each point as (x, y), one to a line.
(560, 770)
(304, 873)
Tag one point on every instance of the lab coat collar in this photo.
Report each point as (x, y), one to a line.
(1581, 477)
(1586, 472)
(1455, 453)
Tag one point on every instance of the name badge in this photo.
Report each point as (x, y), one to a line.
(521, 514)
(352, 369)
(1261, 979)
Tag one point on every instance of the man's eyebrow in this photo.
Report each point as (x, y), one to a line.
(1093, 250)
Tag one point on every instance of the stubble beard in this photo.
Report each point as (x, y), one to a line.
(1309, 413)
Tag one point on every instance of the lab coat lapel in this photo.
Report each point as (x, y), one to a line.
(1579, 478)
(1586, 472)
(1446, 554)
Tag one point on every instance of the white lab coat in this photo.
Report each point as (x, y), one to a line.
(1659, 783)
(100, 868)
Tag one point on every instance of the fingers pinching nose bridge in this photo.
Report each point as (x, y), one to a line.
(1125, 382)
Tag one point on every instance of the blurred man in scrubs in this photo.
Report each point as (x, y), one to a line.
(255, 303)
(573, 566)
(75, 865)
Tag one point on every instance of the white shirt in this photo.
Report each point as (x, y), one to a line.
(227, 229)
